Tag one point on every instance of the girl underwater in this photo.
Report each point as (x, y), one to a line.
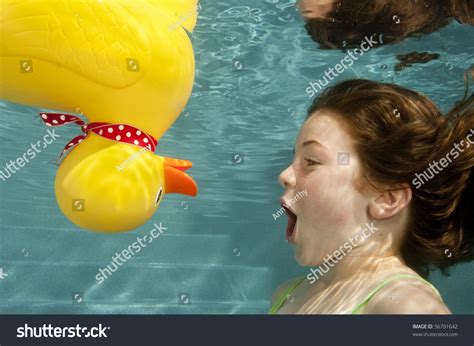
(389, 196)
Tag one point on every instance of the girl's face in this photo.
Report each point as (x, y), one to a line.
(320, 191)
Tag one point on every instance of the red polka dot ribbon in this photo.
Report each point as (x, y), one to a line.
(118, 132)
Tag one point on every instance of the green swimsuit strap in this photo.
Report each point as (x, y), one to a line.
(284, 296)
(360, 306)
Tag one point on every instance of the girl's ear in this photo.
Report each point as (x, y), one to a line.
(390, 202)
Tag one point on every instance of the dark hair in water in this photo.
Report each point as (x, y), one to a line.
(350, 21)
(398, 133)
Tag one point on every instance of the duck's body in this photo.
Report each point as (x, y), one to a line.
(118, 186)
(115, 61)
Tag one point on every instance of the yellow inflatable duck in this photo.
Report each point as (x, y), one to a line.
(128, 66)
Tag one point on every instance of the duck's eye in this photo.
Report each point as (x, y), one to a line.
(159, 195)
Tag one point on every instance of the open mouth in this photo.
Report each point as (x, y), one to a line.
(290, 227)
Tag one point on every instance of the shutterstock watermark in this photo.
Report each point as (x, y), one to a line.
(366, 44)
(35, 148)
(295, 199)
(129, 252)
(131, 158)
(48, 331)
(185, 16)
(434, 168)
(332, 259)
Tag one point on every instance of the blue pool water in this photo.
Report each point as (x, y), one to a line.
(222, 252)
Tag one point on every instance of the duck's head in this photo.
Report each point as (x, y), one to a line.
(108, 186)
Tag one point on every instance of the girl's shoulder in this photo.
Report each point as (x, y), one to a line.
(405, 294)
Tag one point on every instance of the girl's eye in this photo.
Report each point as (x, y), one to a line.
(312, 162)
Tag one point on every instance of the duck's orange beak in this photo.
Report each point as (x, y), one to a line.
(176, 181)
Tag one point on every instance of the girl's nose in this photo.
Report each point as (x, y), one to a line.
(287, 178)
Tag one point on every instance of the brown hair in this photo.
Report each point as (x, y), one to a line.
(350, 21)
(397, 134)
